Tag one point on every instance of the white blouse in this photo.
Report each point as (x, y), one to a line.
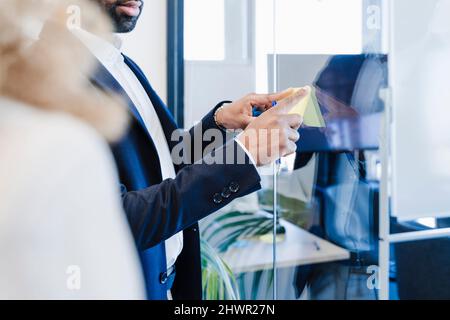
(63, 234)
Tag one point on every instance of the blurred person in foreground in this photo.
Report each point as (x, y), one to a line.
(63, 233)
(164, 198)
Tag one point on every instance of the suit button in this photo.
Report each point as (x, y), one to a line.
(226, 193)
(123, 189)
(163, 278)
(217, 198)
(234, 187)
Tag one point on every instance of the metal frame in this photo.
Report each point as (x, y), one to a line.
(372, 37)
(175, 59)
(276, 165)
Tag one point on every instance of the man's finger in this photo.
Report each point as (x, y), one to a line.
(264, 102)
(291, 148)
(286, 105)
(282, 95)
(295, 121)
(293, 135)
(260, 101)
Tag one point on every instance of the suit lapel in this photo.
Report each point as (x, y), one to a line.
(104, 79)
(166, 119)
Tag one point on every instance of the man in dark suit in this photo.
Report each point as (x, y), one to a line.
(164, 198)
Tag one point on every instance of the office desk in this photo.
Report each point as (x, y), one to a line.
(297, 249)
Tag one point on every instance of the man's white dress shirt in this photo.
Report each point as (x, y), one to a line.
(111, 58)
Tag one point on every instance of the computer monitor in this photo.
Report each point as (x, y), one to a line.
(348, 89)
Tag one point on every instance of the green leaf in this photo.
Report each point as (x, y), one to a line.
(218, 281)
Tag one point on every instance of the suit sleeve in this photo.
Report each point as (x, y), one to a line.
(199, 139)
(158, 212)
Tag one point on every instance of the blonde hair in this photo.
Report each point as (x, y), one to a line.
(52, 73)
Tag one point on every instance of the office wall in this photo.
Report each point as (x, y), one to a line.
(209, 82)
(420, 72)
(147, 45)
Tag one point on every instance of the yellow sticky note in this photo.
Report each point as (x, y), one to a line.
(309, 109)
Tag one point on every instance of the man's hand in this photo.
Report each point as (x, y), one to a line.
(239, 114)
(274, 134)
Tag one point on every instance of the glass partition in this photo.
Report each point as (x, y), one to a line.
(311, 232)
(329, 190)
(223, 39)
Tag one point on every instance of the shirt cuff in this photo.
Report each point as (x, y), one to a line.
(249, 155)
